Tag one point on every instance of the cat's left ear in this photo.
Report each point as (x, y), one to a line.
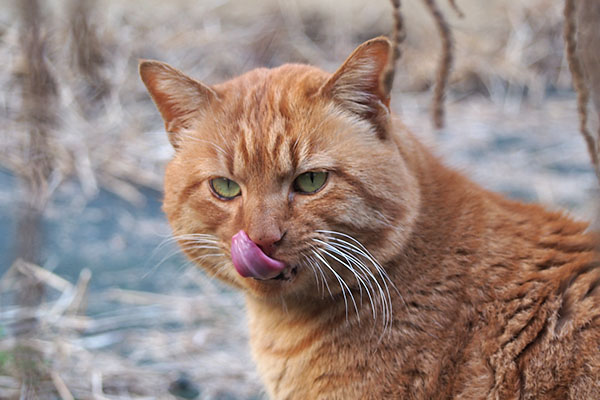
(179, 98)
(358, 85)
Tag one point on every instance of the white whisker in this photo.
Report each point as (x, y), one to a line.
(360, 249)
(359, 278)
(318, 266)
(357, 258)
(385, 305)
(306, 263)
(341, 282)
(186, 242)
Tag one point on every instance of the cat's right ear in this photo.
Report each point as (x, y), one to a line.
(360, 86)
(178, 97)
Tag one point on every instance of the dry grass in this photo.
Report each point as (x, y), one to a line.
(108, 133)
(136, 351)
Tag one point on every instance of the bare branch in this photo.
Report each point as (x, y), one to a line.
(445, 64)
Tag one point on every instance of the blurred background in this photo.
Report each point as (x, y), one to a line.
(95, 301)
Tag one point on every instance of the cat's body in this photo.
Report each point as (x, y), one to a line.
(483, 297)
(499, 300)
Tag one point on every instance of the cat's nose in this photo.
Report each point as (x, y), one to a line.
(268, 241)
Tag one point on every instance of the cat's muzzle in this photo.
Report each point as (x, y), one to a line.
(250, 261)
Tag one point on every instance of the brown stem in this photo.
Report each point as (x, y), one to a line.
(397, 39)
(570, 31)
(445, 64)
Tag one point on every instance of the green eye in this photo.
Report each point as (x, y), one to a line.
(310, 182)
(224, 188)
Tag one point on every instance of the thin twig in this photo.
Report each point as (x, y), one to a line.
(445, 64)
(43, 275)
(60, 386)
(570, 29)
(456, 9)
(397, 39)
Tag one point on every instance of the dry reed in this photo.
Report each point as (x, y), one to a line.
(445, 64)
(105, 142)
(398, 37)
(115, 354)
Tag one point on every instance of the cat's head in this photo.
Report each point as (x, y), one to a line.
(293, 172)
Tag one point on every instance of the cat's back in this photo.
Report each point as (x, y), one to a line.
(526, 280)
(539, 333)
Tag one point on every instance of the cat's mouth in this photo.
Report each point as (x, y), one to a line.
(286, 275)
(250, 261)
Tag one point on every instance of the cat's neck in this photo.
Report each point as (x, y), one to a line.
(452, 215)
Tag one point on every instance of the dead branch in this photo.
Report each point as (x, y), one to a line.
(574, 57)
(445, 64)
(397, 39)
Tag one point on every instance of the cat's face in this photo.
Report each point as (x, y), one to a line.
(292, 170)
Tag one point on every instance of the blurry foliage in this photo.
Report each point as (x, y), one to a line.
(103, 116)
(6, 361)
(141, 346)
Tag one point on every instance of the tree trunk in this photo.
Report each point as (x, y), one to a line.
(39, 96)
(588, 45)
(588, 51)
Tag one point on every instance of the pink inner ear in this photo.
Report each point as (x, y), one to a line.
(177, 96)
(358, 80)
(250, 261)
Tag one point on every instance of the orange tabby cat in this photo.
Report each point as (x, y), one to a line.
(372, 271)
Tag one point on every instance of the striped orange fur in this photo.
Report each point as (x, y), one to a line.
(410, 281)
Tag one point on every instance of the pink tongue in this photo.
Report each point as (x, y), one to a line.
(250, 261)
